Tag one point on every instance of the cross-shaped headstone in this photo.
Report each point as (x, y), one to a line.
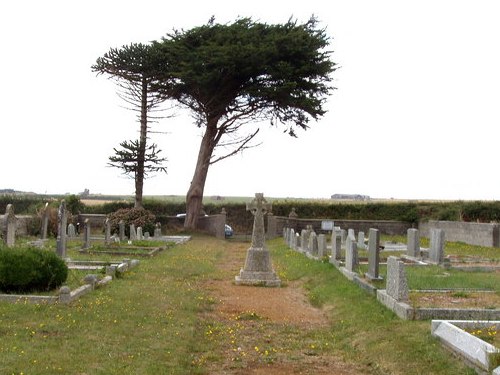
(258, 207)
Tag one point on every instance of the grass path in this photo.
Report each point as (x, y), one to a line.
(166, 317)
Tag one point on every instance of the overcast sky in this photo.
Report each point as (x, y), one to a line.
(415, 115)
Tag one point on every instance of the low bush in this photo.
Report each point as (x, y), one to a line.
(137, 216)
(30, 270)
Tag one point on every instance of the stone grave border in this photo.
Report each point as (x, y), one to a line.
(476, 352)
(66, 295)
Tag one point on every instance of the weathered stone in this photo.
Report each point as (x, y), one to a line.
(413, 242)
(62, 221)
(436, 249)
(10, 226)
(313, 244)
(361, 240)
(121, 230)
(71, 230)
(157, 232)
(397, 284)
(45, 221)
(321, 245)
(373, 254)
(140, 236)
(133, 233)
(351, 254)
(258, 268)
(86, 234)
(107, 231)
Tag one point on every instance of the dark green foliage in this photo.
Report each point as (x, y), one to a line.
(23, 204)
(127, 159)
(74, 205)
(30, 270)
(481, 211)
(140, 217)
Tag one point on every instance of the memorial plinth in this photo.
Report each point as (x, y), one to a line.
(258, 268)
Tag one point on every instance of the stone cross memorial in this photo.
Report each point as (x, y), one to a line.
(258, 268)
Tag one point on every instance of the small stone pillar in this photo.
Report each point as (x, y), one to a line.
(351, 254)
(157, 232)
(140, 237)
(10, 226)
(86, 234)
(436, 249)
(321, 246)
(373, 254)
(62, 222)
(45, 221)
(413, 243)
(121, 230)
(107, 231)
(133, 233)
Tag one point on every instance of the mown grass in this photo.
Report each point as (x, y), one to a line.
(153, 320)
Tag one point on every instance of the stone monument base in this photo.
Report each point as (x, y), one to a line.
(258, 270)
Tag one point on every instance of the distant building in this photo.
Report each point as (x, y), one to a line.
(352, 197)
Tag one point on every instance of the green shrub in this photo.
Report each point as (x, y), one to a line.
(30, 270)
(140, 217)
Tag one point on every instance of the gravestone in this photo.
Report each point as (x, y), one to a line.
(413, 242)
(107, 231)
(86, 234)
(10, 226)
(140, 236)
(71, 231)
(312, 248)
(351, 254)
(133, 233)
(291, 241)
(121, 230)
(373, 254)
(361, 240)
(343, 236)
(157, 232)
(397, 284)
(45, 221)
(436, 249)
(321, 245)
(303, 240)
(336, 246)
(258, 268)
(62, 221)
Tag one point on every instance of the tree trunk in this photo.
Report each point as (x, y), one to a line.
(139, 175)
(194, 196)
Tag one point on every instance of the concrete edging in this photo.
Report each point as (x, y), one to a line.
(472, 349)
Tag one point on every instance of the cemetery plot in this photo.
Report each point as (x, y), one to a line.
(136, 248)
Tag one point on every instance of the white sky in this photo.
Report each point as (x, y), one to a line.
(415, 115)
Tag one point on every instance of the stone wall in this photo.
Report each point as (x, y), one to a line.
(213, 224)
(388, 227)
(481, 234)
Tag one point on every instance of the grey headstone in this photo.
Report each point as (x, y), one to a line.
(71, 230)
(121, 230)
(303, 241)
(373, 254)
(10, 226)
(146, 235)
(45, 221)
(291, 241)
(361, 240)
(336, 245)
(140, 236)
(313, 244)
(351, 254)
(413, 242)
(62, 221)
(86, 234)
(133, 233)
(107, 231)
(343, 236)
(436, 249)
(321, 245)
(157, 233)
(397, 284)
